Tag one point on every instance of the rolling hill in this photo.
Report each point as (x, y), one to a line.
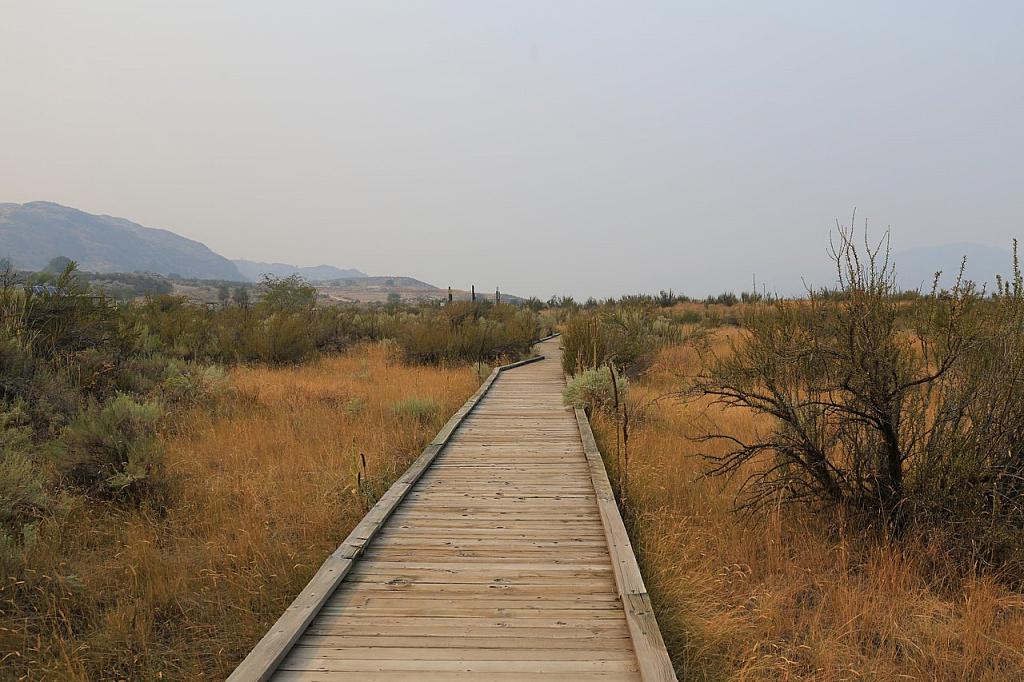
(254, 271)
(33, 233)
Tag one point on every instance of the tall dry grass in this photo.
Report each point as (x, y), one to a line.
(780, 596)
(266, 486)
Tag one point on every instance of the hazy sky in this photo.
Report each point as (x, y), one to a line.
(547, 147)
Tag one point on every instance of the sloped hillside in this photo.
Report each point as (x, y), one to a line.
(254, 270)
(33, 233)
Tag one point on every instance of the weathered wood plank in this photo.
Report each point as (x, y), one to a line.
(448, 676)
(366, 627)
(414, 653)
(586, 642)
(301, 660)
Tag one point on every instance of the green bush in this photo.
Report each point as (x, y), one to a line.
(284, 338)
(468, 331)
(287, 293)
(584, 343)
(592, 390)
(423, 410)
(689, 317)
(627, 336)
(354, 407)
(192, 384)
(24, 497)
(113, 450)
(727, 299)
(17, 369)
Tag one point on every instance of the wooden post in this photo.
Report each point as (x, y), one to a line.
(472, 291)
(497, 295)
(449, 294)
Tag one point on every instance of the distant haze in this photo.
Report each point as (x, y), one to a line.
(255, 271)
(584, 148)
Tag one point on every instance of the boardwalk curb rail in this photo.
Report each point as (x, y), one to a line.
(652, 656)
(262, 661)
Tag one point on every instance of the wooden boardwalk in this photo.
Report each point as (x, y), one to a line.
(501, 561)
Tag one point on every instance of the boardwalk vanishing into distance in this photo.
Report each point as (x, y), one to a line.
(499, 555)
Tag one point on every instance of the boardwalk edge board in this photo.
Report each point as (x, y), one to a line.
(264, 658)
(652, 656)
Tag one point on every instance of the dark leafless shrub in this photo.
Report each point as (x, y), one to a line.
(903, 410)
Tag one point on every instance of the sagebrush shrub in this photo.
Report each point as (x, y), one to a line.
(113, 450)
(24, 497)
(192, 384)
(592, 390)
(423, 410)
(284, 338)
(627, 336)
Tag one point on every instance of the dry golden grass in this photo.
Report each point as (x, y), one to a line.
(265, 490)
(778, 596)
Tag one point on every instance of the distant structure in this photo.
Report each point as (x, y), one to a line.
(46, 290)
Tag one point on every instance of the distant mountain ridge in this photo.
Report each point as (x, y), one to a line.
(255, 270)
(31, 234)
